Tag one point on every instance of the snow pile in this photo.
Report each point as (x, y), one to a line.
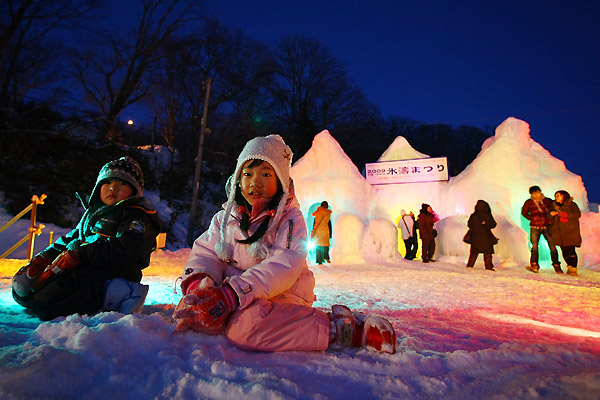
(389, 200)
(325, 172)
(462, 334)
(508, 164)
(347, 239)
(381, 240)
(400, 149)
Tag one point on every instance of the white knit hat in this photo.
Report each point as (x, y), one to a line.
(273, 150)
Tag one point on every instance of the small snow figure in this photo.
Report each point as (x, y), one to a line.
(536, 209)
(98, 265)
(482, 240)
(566, 234)
(250, 278)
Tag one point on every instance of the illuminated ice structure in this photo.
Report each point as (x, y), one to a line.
(364, 216)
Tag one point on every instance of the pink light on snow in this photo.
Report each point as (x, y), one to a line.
(514, 319)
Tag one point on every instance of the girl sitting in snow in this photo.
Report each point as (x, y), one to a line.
(247, 275)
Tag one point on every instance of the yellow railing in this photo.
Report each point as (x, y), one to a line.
(33, 229)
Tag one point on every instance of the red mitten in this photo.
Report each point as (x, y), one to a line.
(37, 265)
(205, 307)
(67, 260)
(563, 216)
(23, 278)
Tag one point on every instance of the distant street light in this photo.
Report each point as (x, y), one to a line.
(130, 122)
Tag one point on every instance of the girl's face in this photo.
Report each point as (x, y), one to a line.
(258, 182)
(558, 197)
(114, 191)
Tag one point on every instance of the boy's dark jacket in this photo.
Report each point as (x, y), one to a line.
(116, 239)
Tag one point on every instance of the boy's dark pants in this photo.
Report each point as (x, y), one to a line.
(79, 291)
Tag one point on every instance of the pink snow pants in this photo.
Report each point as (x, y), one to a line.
(267, 325)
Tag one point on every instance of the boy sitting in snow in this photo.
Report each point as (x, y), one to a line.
(98, 265)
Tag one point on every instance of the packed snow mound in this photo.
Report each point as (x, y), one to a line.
(400, 149)
(325, 159)
(590, 234)
(325, 172)
(347, 239)
(501, 174)
(381, 240)
(508, 164)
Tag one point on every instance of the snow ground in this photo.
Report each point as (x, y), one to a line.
(462, 334)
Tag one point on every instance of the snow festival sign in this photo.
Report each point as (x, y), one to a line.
(407, 171)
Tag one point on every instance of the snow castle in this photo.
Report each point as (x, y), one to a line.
(508, 164)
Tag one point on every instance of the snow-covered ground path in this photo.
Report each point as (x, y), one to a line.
(462, 334)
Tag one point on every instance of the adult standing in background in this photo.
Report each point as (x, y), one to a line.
(565, 230)
(321, 232)
(536, 209)
(427, 217)
(480, 224)
(407, 226)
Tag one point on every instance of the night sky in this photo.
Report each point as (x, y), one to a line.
(457, 62)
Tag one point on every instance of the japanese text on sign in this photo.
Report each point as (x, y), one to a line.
(407, 171)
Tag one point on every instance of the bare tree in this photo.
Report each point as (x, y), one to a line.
(311, 91)
(230, 59)
(27, 52)
(112, 74)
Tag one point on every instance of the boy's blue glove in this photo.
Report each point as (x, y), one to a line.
(205, 308)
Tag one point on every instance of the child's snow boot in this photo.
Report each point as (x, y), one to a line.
(571, 270)
(25, 276)
(124, 296)
(349, 329)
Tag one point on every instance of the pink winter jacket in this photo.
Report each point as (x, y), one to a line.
(282, 276)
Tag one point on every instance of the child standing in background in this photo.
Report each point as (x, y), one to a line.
(247, 275)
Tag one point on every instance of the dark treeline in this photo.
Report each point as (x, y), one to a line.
(66, 77)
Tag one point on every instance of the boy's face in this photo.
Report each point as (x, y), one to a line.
(114, 191)
(259, 182)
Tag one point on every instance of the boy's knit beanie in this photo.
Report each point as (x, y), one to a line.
(125, 169)
(273, 150)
